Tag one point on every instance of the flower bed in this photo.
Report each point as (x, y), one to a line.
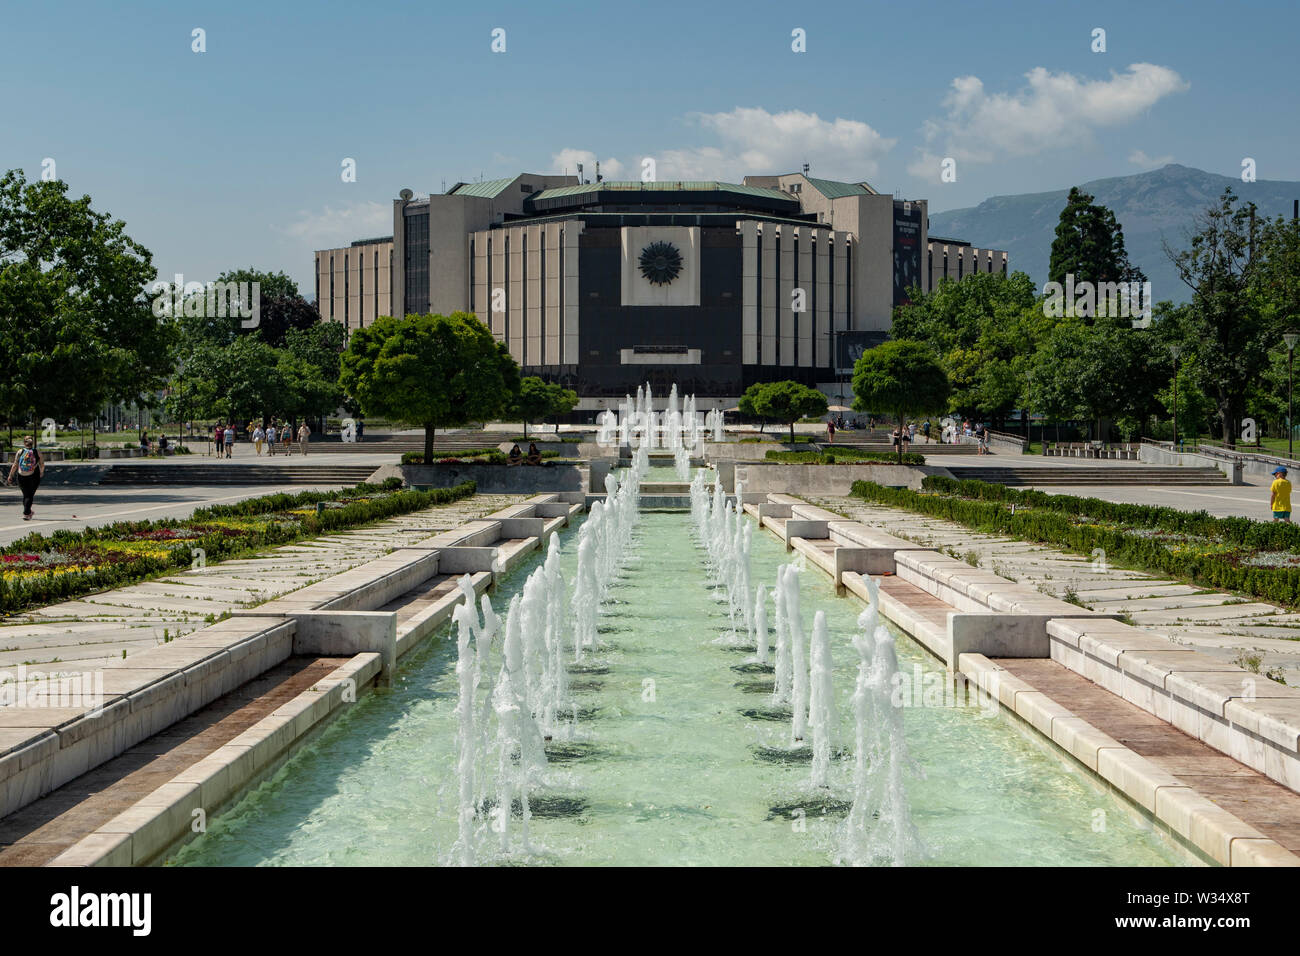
(1235, 554)
(40, 569)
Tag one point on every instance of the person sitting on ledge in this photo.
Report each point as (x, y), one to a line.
(534, 456)
(515, 457)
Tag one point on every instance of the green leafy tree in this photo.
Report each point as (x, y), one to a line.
(902, 377)
(534, 401)
(563, 401)
(76, 329)
(435, 371)
(747, 406)
(982, 330)
(1229, 327)
(787, 402)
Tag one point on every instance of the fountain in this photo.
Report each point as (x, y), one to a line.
(879, 827)
(821, 703)
(473, 642)
(465, 761)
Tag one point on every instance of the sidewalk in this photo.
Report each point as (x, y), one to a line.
(87, 632)
(1219, 624)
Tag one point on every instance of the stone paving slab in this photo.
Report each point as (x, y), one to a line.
(96, 629)
(1190, 616)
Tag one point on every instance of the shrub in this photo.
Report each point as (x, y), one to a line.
(1059, 527)
(130, 551)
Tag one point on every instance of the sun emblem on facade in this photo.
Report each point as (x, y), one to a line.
(660, 262)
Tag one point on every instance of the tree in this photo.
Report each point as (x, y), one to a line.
(982, 330)
(75, 326)
(563, 401)
(902, 377)
(436, 371)
(787, 402)
(747, 407)
(281, 309)
(1089, 245)
(534, 401)
(1228, 328)
(1096, 372)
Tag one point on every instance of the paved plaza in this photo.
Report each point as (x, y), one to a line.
(92, 630)
(1220, 624)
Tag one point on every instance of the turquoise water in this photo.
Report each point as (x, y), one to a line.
(669, 768)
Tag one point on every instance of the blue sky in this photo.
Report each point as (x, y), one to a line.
(231, 157)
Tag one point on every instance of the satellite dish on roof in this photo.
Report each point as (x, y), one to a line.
(406, 194)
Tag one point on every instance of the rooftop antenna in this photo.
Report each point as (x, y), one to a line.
(805, 169)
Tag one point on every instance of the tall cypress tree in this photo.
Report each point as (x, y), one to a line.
(1089, 244)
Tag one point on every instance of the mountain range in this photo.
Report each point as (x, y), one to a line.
(1151, 207)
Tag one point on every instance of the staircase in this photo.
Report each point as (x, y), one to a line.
(217, 474)
(1092, 475)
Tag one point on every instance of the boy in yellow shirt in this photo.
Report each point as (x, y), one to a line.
(1280, 495)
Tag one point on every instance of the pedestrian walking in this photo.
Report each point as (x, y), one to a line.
(229, 437)
(925, 429)
(830, 431)
(271, 436)
(218, 439)
(286, 438)
(29, 466)
(1279, 496)
(259, 436)
(304, 436)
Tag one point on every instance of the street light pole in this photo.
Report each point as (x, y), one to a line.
(1290, 338)
(1175, 351)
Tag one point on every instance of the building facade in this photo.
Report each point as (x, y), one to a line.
(709, 285)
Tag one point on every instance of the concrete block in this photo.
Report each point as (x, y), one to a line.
(344, 633)
(465, 560)
(1134, 775)
(97, 849)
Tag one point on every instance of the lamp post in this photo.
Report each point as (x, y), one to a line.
(1174, 352)
(1290, 338)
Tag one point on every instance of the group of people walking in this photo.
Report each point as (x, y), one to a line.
(275, 436)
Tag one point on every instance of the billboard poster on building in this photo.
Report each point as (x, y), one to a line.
(850, 344)
(907, 249)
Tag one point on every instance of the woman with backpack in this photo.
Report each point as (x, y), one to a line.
(30, 468)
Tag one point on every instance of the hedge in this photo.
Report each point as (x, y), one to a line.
(1246, 532)
(1219, 570)
(217, 544)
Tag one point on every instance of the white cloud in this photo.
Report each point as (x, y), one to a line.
(1140, 158)
(753, 141)
(567, 160)
(338, 225)
(1051, 111)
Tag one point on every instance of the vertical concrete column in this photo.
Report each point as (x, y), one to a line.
(749, 291)
(767, 281)
(569, 350)
(967, 260)
(397, 275)
(840, 282)
(551, 336)
(783, 297)
(497, 275)
(515, 332)
(807, 282)
(822, 319)
(533, 292)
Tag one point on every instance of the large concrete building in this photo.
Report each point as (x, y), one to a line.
(602, 286)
